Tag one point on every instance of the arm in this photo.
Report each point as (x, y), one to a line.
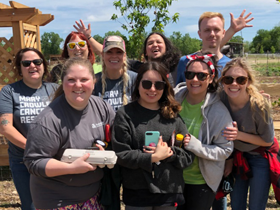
(80, 27)
(236, 25)
(232, 133)
(10, 132)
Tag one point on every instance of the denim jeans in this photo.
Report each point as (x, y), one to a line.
(21, 178)
(220, 204)
(258, 185)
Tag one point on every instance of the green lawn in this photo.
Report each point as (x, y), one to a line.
(97, 68)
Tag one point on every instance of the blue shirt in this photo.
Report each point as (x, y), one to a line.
(184, 60)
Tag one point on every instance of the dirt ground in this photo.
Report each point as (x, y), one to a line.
(9, 199)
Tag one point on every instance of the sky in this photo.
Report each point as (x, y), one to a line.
(266, 15)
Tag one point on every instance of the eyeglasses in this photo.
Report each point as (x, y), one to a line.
(36, 62)
(200, 75)
(147, 84)
(239, 80)
(72, 45)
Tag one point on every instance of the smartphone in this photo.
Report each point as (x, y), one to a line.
(151, 137)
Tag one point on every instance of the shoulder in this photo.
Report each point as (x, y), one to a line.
(223, 60)
(132, 74)
(51, 85)
(134, 65)
(181, 87)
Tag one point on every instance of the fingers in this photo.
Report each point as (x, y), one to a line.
(234, 123)
(99, 147)
(248, 15)
(85, 156)
(82, 23)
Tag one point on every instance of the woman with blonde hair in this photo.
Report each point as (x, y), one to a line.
(115, 83)
(253, 130)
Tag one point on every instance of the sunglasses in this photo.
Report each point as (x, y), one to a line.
(147, 84)
(239, 80)
(72, 45)
(200, 75)
(36, 62)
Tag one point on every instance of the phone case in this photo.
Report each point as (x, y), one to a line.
(97, 157)
(151, 138)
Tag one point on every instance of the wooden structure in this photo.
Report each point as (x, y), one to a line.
(25, 22)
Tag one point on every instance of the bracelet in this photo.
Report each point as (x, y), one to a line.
(89, 37)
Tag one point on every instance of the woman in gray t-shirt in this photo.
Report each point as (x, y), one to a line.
(253, 128)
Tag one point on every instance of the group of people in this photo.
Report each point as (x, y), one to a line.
(208, 98)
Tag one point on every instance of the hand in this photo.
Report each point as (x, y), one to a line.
(99, 147)
(80, 27)
(265, 95)
(231, 133)
(162, 151)
(80, 166)
(228, 167)
(149, 149)
(240, 22)
(187, 140)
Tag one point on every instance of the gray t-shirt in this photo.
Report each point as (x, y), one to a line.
(250, 122)
(58, 127)
(25, 104)
(114, 89)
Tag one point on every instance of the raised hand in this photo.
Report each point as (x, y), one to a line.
(80, 27)
(240, 22)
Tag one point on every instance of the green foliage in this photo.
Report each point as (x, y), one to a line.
(272, 49)
(276, 103)
(267, 39)
(137, 13)
(50, 43)
(185, 44)
(261, 50)
(270, 69)
(236, 39)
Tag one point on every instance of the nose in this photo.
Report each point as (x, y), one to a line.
(153, 87)
(78, 83)
(195, 78)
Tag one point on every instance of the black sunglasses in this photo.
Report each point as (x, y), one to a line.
(239, 80)
(36, 62)
(147, 84)
(200, 75)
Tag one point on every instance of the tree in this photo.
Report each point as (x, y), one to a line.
(50, 43)
(185, 44)
(261, 50)
(272, 49)
(236, 39)
(137, 13)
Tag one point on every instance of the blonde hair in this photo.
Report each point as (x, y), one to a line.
(256, 98)
(125, 79)
(210, 15)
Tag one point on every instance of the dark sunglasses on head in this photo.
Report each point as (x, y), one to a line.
(36, 62)
(72, 45)
(147, 84)
(239, 80)
(200, 75)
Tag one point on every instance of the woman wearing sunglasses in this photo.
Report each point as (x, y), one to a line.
(20, 103)
(115, 83)
(75, 45)
(253, 129)
(151, 176)
(205, 117)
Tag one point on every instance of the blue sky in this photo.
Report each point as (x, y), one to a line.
(98, 13)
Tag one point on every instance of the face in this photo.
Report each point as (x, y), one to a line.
(235, 90)
(31, 74)
(149, 97)
(78, 51)
(211, 32)
(78, 85)
(196, 87)
(155, 46)
(114, 59)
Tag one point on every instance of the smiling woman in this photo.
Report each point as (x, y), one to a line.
(68, 123)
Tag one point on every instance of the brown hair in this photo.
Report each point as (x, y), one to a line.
(168, 105)
(70, 62)
(18, 59)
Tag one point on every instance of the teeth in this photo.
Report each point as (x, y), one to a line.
(233, 90)
(195, 85)
(114, 61)
(77, 54)
(79, 92)
(151, 94)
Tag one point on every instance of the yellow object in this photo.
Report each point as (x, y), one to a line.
(179, 137)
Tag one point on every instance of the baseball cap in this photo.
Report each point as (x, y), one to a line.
(113, 42)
